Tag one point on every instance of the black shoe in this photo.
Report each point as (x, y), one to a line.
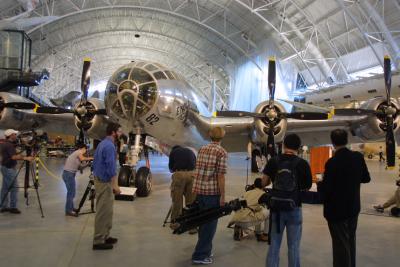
(14, 210)
(262, 237)
(71, 213)
(4, 210)
(75, 210)
(103, 246)
(111, 240)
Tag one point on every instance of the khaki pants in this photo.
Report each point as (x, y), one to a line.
(182, 183)
(104, 211)
(394, 200)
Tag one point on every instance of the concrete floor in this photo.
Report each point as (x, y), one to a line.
(56, 240)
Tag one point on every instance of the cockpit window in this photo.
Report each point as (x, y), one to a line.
(122, 75)
(140, 76)
(170, 75)
(150, 67)
(159, 75)
(131, 92)
(116, 107)
(128, 85)
(128, 101)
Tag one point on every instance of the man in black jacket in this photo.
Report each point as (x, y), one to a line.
(340, 189)
(182, 162)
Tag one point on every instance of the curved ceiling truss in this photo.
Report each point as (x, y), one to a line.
(322, 38)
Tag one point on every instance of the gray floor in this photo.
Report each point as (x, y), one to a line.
(56, 240)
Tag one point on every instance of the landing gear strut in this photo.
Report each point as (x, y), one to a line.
(128, 175)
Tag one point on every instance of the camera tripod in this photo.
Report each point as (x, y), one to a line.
(89, 191)
(33, 172)
(166, 217)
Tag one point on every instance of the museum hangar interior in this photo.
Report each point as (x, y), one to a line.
(168, 71)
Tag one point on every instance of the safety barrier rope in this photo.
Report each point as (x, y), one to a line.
(47, 170)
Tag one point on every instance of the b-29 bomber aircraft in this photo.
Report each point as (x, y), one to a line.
(160, 109)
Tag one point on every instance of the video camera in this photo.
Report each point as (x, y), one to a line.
(192, 216)
(29, 141)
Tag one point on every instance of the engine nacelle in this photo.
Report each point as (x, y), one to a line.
(96, 127)
(372, 128)
(261, 125)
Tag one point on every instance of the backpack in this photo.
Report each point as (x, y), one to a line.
(285, 188)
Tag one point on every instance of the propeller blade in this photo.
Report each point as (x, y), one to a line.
(52, 110)
(85, 82)
(390, 143)
(353, 112)
(99, 112)
(271, 80)
(306, 115)
(234, 113)
(18, 105)
(387, 71)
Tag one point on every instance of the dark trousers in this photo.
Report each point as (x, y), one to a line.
(343, 235)
(206, 231)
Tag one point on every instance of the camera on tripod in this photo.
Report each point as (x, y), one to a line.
(193, 216)
(29, 141)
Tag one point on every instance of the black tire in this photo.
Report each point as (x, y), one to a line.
(254, 165)
(143, 182)
(125, 176)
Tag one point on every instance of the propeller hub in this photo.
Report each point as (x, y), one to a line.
(390, 111)
(271, 114)
(81, 110)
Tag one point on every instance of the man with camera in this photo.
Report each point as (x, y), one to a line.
(9, 172)
(182, 162)
(340, 191)
(289, 175)
(106, 184)
(209, 185)
(72, 164)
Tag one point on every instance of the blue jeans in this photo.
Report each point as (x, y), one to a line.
(10, 184)
(206, 231)
(69, 179)
(292, 220)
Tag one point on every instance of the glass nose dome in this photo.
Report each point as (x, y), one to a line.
(131, 92)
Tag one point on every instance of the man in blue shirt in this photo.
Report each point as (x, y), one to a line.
(106, 183)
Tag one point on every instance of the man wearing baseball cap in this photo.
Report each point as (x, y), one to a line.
(9, 172)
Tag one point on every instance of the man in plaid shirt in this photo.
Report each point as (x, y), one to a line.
(209, 185)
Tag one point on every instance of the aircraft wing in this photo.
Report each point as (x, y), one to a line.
(65, 123)
(317, 132)
(23, 120)
(241, 131)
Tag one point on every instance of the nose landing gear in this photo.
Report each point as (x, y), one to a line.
(140, 178)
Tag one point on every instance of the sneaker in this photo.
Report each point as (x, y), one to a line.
(205, 261)
(379, 208)
(14, 210)
(4, 210)
(111, 240)
(103, 246)
(72, 214)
